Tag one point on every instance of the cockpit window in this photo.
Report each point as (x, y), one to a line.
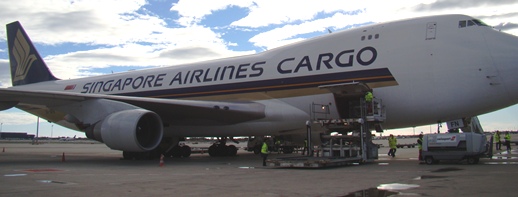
(462, 24)
(468, 23)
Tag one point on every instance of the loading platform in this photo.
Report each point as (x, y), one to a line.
(351, 141)
(339, 150)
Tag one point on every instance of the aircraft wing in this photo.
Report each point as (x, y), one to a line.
(181, 111)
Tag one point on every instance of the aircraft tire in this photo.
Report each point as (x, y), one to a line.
(176, 152)
(231, 150)
(186, 151)
(223, 151)
(212, 150)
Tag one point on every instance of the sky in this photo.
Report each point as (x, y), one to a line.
(82, 38)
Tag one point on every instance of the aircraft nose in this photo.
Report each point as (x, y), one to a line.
(504, 50)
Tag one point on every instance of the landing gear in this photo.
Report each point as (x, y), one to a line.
(179, 151)
(220, 149)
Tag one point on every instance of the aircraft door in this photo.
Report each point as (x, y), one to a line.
(347, 98)
(430, 30)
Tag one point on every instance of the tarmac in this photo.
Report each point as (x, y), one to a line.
(92, 169)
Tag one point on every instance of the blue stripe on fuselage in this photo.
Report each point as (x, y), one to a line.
(365, 76)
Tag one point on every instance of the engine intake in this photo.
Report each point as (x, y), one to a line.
(135, 130)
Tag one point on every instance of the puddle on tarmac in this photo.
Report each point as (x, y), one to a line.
(428, 177)
(503, 157)
(447, 169)
(51, 181)
(383, 164)
(501, 163)
(13, 175)
(371, 192)
(384, 190)
(245, 167)
(42, 170)
(397, 186)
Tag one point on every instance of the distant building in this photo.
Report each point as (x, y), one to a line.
(16, 135)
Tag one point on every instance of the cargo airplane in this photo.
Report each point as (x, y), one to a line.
(425, 70)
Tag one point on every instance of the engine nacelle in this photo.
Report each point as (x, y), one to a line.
(135, 130)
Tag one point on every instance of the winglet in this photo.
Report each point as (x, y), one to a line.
(27, 66)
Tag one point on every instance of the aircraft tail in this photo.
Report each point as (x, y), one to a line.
(27, 66)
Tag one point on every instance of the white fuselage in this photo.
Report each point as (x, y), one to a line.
(425, 70)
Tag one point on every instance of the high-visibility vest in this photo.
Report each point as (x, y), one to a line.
(497, 137)
(420, 143)
(264, 148)
(507, 137)
(392, 142)
(368, 97)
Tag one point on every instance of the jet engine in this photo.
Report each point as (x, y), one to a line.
(135, 130)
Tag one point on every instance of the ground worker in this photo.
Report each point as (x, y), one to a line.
(507, 139)
(278, 145)
(497, 141)
(264, 151)
(368, 96)
(305, 147)
(368, 101)
(393, 145)
(420, 146)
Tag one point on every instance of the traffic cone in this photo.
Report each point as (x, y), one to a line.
(63, 157)
(161, 161)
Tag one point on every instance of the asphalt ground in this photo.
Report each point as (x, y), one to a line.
(95, 170)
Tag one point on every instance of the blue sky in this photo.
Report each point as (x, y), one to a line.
(81, 38)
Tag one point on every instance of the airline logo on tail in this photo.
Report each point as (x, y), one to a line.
(21, 52)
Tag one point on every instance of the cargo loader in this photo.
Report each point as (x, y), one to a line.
(470, 145)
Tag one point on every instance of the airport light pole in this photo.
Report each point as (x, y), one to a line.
(51, 130)
(37, 129)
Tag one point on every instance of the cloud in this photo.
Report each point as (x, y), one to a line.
(190, 53)
(440, 5)
(264, 13)
(288, 33)
(506, 26)
(17, 117)
(193, 11)
(5, 75)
